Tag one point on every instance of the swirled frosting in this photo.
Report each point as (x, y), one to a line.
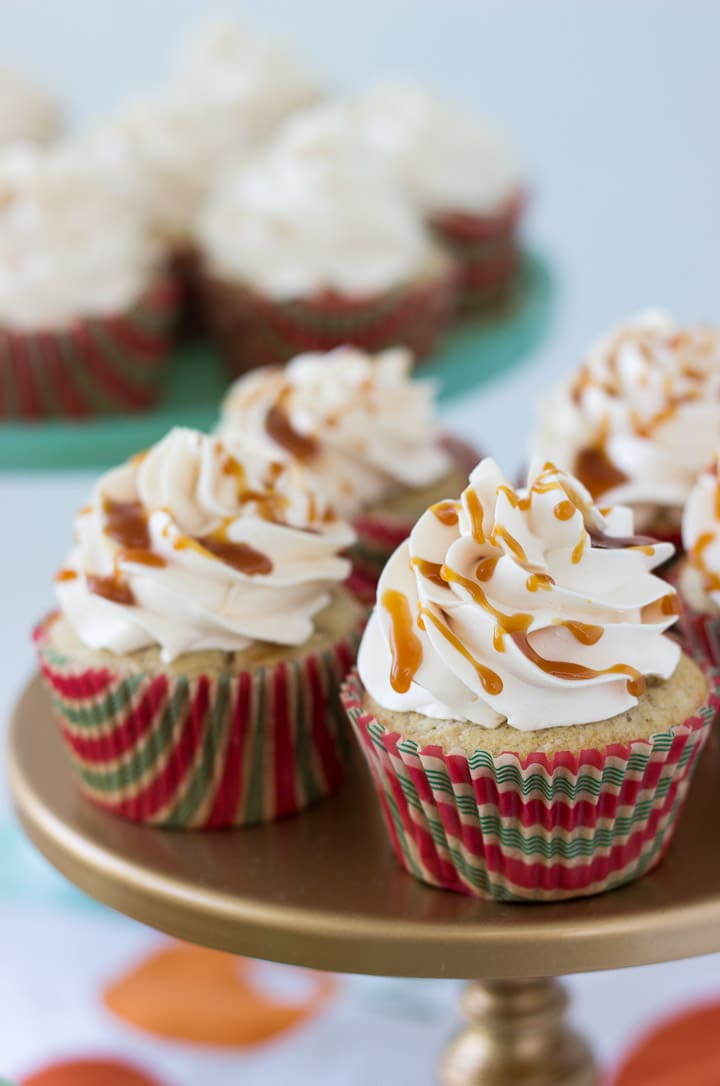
(27, 113)
(359, 423)
(73, 241)
(261, 78)
(190, 547)
(445, 159)
(527, 606)
(296, 221)
(700, 578)
(641, 417)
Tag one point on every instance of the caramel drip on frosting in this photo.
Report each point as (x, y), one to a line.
(446, 512)
(485, 568)
(596, 471)
(405, 645)
(564, 510)
(66, 575)
(539, 580)
(500, 532)
(280, 430)
(491, 682)
(240, 556)
(562, 669)
(582, 631)
(126, 523)
(475, 512)
(112, 588)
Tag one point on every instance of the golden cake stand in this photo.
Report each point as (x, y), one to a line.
(324, 891)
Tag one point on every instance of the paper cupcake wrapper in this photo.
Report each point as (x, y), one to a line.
(700, 636)
(378, 535)
(255, 330)
(486, 251)
(204, 752)
(95, 367)
(536, 828)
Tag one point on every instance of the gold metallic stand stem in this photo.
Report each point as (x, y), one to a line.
(516, 1036)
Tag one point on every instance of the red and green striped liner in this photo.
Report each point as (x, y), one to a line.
(486, 250)
(253, 329)
(536, 828)
(204, 752)
(98, 366)
(379, 535)
(699, 633)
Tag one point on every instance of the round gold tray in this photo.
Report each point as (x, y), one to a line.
(323, 889)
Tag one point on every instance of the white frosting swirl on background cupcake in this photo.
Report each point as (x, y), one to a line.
(517, 606)
(73, 240)
(190, 547)
(445, 159)
(360, 424)
(28, 114)
(297, 221)
(260, 77)
(700, 576)
(641, 417)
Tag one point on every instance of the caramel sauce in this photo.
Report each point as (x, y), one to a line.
(500, 532)
(564, 510)
(562, 669)
(670, 604)
(475, 511)
(431, 571)
(143, 558)
(445, 512)
(111, 588)
(597, 472)
(66, 575)
(540, 486)
(485, 568)
(505, 623)
(579, 549)
(498, 639)
(648, 550)
(240, 556)
(280, 430)
(405, 645)
(539, 580)
(126, 523)
(491, 682)
(717, 498)
(582, 631)
(697, 557)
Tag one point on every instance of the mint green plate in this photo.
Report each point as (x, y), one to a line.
(469, 356)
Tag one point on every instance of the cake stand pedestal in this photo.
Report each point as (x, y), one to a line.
(323, 890)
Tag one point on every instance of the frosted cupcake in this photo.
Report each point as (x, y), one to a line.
(640, 418)
(698, 575)
(530, 727)
(86, 303)
(201, 636)
(230, 91)
(455, 169)
(365, 432)
(306, 251)
(28, 114)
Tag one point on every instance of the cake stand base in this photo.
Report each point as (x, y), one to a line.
(516, 1036)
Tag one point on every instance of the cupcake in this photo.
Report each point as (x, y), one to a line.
(640, 418)
(305, 251)
(230, 91)
(86, 303)
(28, 114)
(698, 575)
(201, 635)
(365, 432)
(530, 727)
(454, 169)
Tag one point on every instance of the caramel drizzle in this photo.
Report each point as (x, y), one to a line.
(239, 556)
(126, 523)
(582, 631)
(475, 512)
(280, 430)
(564, 510)
(562, 669)
(446, 512)
(596, 471)
(112, 588)
(539, 580)
(66, 575)
(405, 646)
(515, 548)
(697, 557)
(491, 682)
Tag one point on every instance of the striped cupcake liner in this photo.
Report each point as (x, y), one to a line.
(379, 535)
(98, 366)
(204, 752)
(536, 828)
(486, 251)
(700, 635)
(253, 329)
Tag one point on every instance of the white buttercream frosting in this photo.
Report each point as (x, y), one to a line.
(73, 240)
(701, 540)
(648, 398)
(190, 547)
(445, 159)
(297, 220)
(365, 427)
(515, 612)
(28, 114)
(260, 77)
